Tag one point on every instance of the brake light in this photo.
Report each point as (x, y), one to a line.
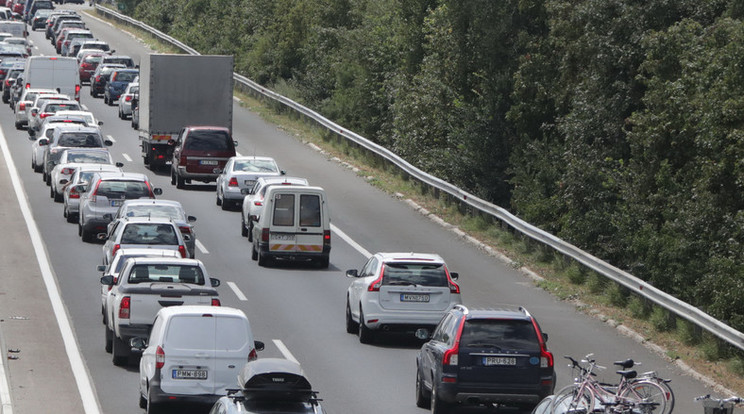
(450, 356)
(44, 115)
(115, 249)
(265, 235)
(233, 182)
(22, 106)
(185, 229)
(546, 357)
(74, 193)
(128, 98)
(68, 171)
(327, 237)
(253, 355)
(216, 302)
(77, 92)
(182, 250)
(257, 203)
(124, 309)
(375, 285)
(159, 358)
(98, 78)
(28, 85)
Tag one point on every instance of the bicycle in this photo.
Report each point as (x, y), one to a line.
(589, 395)
(653, 377)
(718, 405)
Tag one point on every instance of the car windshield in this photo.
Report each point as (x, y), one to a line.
(166, 273)
(93, 59)
(80, 139)
(125, 62)
(125, 76)
(499, 333)
(171, 212)
(255, 165)
(89, 157)
(208, 140)
(419, 274)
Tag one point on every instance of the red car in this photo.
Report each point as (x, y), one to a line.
(18, 6)
(198, 151)
(88, 65)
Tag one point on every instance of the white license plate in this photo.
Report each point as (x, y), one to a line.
(282, 236)
(408, 297)
(489, 361)
(208, 162)
(116, 203)
(249, 183)
(197, 374)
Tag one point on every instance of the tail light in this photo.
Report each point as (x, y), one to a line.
(22, 106)
(98, 78)
(258, 203)
(77, 92)
(182, 250)
(124, 309)
(326, 237)
(128, 98)
(7, 82)
(159, 358)
(546, 357)
(454, 287)
(28, 85)
(74, 193)
(67, 171)
(233, 182)
(216, 302)
(450, 356)
(375, 285)
(44, 115)
(185, 229)
(253, 355)
(115, 249)
(265, 235)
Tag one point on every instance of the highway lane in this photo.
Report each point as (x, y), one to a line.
(304, 307)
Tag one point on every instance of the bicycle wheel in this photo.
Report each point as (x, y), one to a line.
(668, 393)
(647, 391)
(574, 399)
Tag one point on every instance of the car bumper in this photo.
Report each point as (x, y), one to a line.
(483, 393)
(200, 176)
(157, 395)
(73, 205)
(96, 224)
(325, 252)
(233, 194)
(127, 332)
(401, 320)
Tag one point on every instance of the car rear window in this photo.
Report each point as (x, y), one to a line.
(309, 210)
(283, 210)
(62, 107)
(422, 274)
(171, 212)
(499, 333)
(166, 273)
(255, 166)
(93, 59)
(80, 139)
(125, 76)
(88, 157)
(125, 62)
(208, 140)
(123, 189)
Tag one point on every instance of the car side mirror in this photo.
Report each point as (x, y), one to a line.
(171, 142)
(157, 191)
(100, 123)
(235, 143)
(423, 334)
(101, 268)
(283, 172)
(352, 273)
(63, 181)
(186, 237)
(245, 191)
(214, 282)
(191, 219)
(108, 142)
(119, 164)
(454, 275)
(107, 280)
(101, 236)
(545, 337)
(43, 142)
(259, 345)
(108, 216)
(138, 344)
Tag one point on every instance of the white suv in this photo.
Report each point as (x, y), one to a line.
(399, 292)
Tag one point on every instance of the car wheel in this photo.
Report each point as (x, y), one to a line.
(49, 179)
(225, 204)
(119, 352)
(366, 336)
(250, 231)
(109, 338)
(423, 399)
(254, 253)
(324, 262)
(33, 164)
(58, 198)
(121, 115)
(110, 102)
(152, 408)
(86, 235)
(217, 200)
(142, 401)
(105, 99)
(18, 125)
(437, 405)
(351, 326)
(243, 230)
(71, 218)
(38, 168)
(51, 191)
(264, 259)
(180, 182)
(43, 176)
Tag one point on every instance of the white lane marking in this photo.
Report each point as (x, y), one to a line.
(237, 291)
(351, 242)
(83, 381)
(36, 47)
(126, 157)
(201, 247)
(110, 138)
(285, 351)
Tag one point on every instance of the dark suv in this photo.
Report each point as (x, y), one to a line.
(484, 356)
(198, 152)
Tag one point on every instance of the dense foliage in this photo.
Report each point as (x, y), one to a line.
(614, 124)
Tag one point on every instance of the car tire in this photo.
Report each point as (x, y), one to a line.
(180, 182)
(437, 405)
(18, 125)
(250, 231)
(110, 102)
(86, 235)
(48, 179)
(51, 192)
(324, 262)
(43, 176)
(58, 198)
(121, 115)
(254, 253)
(423, 398)
(217, 200)
(152, 408)
(366, 336)
(264, 259)
(38, 168)
(142, 401)
(243, 230)
(105, 99)
(225, 205)
(351, 326)
(71, 218)
(109, 339)
(119, 352)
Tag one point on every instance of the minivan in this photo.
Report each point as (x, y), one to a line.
(193, 355)
(200, 153)
(59, 73)
(295, 225)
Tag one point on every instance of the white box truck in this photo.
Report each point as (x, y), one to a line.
(51, 72)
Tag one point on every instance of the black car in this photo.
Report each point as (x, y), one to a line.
(484, 356)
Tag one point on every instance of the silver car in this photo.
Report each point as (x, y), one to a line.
(40, 143)
(77, 186)
(254, 200)
(72, 159)
(142, 232)
(170, 209)
(23, 105)
(125, 101)
(241, 173)
(33, 110)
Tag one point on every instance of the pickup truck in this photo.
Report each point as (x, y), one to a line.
(144, 286)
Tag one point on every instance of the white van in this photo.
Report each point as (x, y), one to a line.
(51, 72)
(295, 225)
(193, 355)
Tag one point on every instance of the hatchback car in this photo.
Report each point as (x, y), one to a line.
(70, 137)
(399, 292)
(77, 186)
(48, 105)
(27, 98)
(72, 159)
(142, 232)
(125, 101)
(88, 65)
(104, 194)
(100, 77)
(240, 174)
(253, 201)
(484, 356)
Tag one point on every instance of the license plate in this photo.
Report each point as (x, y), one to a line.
(407, 297)
(282, 236)
(488, 361)
(249, 183)
(208, 162)
(116, 203)
(197, 374)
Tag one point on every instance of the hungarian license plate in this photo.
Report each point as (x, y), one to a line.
(409, 297)
(282, 236)
(249, 183)
(207, 162)
(489, 361)
(197, 374)
(116, 203)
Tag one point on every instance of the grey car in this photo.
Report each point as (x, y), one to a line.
(240, 173)
(142, 232)
(70, 137)
(77, 185)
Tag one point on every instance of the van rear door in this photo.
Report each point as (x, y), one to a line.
(189, 347)
(233, 345)
(297, 221)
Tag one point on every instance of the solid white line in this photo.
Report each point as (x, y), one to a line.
(201, 247)
(351, 242)
(126, 157)
(237, 291)
(87, 393)
(285, 351)
(111, 138)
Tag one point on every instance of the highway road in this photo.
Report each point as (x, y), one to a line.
(297, 311)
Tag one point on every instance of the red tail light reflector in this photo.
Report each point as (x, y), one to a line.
(253, 355)
(68, 171)
(124, 309)
(22, 106)
(233, 182)
(216, 302)
(159, 358)
(257, 203)
(128, 98)
(115, 249)
(182, 250)
(326, 237)
(375, 285)
(185, 229)
(74, 193)
(44, 115)
(265, 235)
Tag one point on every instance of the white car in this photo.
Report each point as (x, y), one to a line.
(69, 161)
(32, 111)
(90, 119)
(40, 143)
(49, 108)
(21, 41)
(27, 98)
(82, 176)
(399, 292)
(133, 232)
(241, 173)
(254, 200)
(125, 101)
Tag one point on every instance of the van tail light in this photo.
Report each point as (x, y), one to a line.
(216, 302)
(185, 229)
(77, 92)
(233, 182)
(159, 358)
(125, 308)
(265, 235)
(182, 250)
(326, 237)
(375, 285)
(115, 249)
(253, 355)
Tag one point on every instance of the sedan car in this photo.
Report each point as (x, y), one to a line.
(142, 232)
(69, 137)
(254, 200)
(117, 84)
(240, 173)
(72, 159)
(162, 208)
(88, 65)
(125, 101)
(78, 185)
(40, 143)
(270, 385)
(40, 110)
(399, 292)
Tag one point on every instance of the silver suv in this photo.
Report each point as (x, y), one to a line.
(104, 194)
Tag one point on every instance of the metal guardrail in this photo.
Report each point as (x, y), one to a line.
(634, 284)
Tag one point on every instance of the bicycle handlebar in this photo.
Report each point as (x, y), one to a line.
(732, 399)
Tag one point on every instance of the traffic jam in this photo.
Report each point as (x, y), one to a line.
(163, 311)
